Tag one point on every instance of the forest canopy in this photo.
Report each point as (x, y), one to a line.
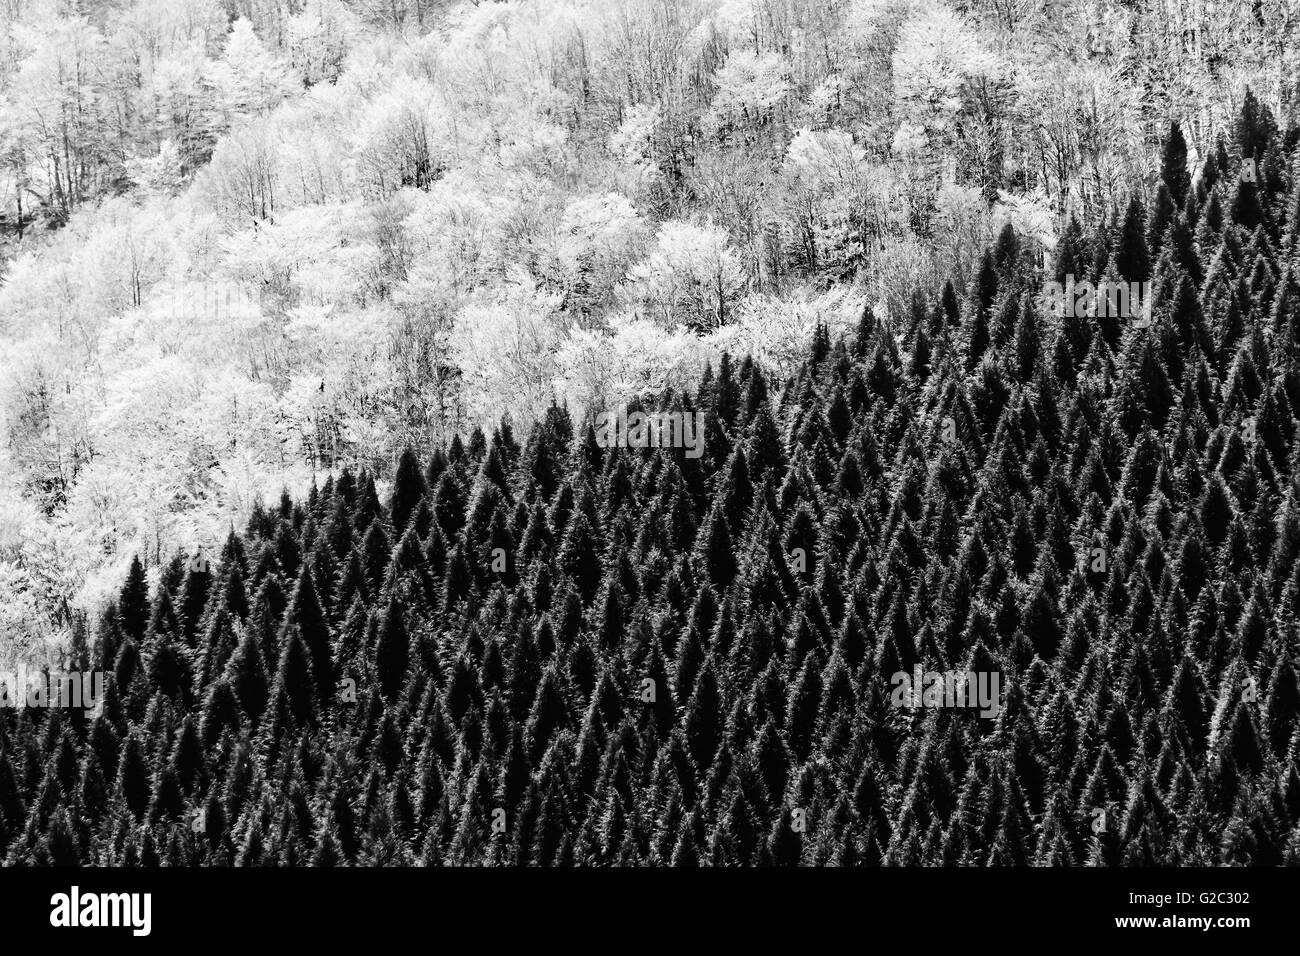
(249, 243)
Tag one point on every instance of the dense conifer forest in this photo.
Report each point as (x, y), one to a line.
(537, 650)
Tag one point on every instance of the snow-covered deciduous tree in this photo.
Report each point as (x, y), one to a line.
(401, 139)
(776, 331)
(319, 39)
(596, 240)
(751, 87)
(827, 178)
(242, 182)
(161, 174)
(691, 277)
(633, 359)
(936, 56)
(505, 343)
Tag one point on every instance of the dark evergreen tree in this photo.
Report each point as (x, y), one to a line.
(408, 490)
